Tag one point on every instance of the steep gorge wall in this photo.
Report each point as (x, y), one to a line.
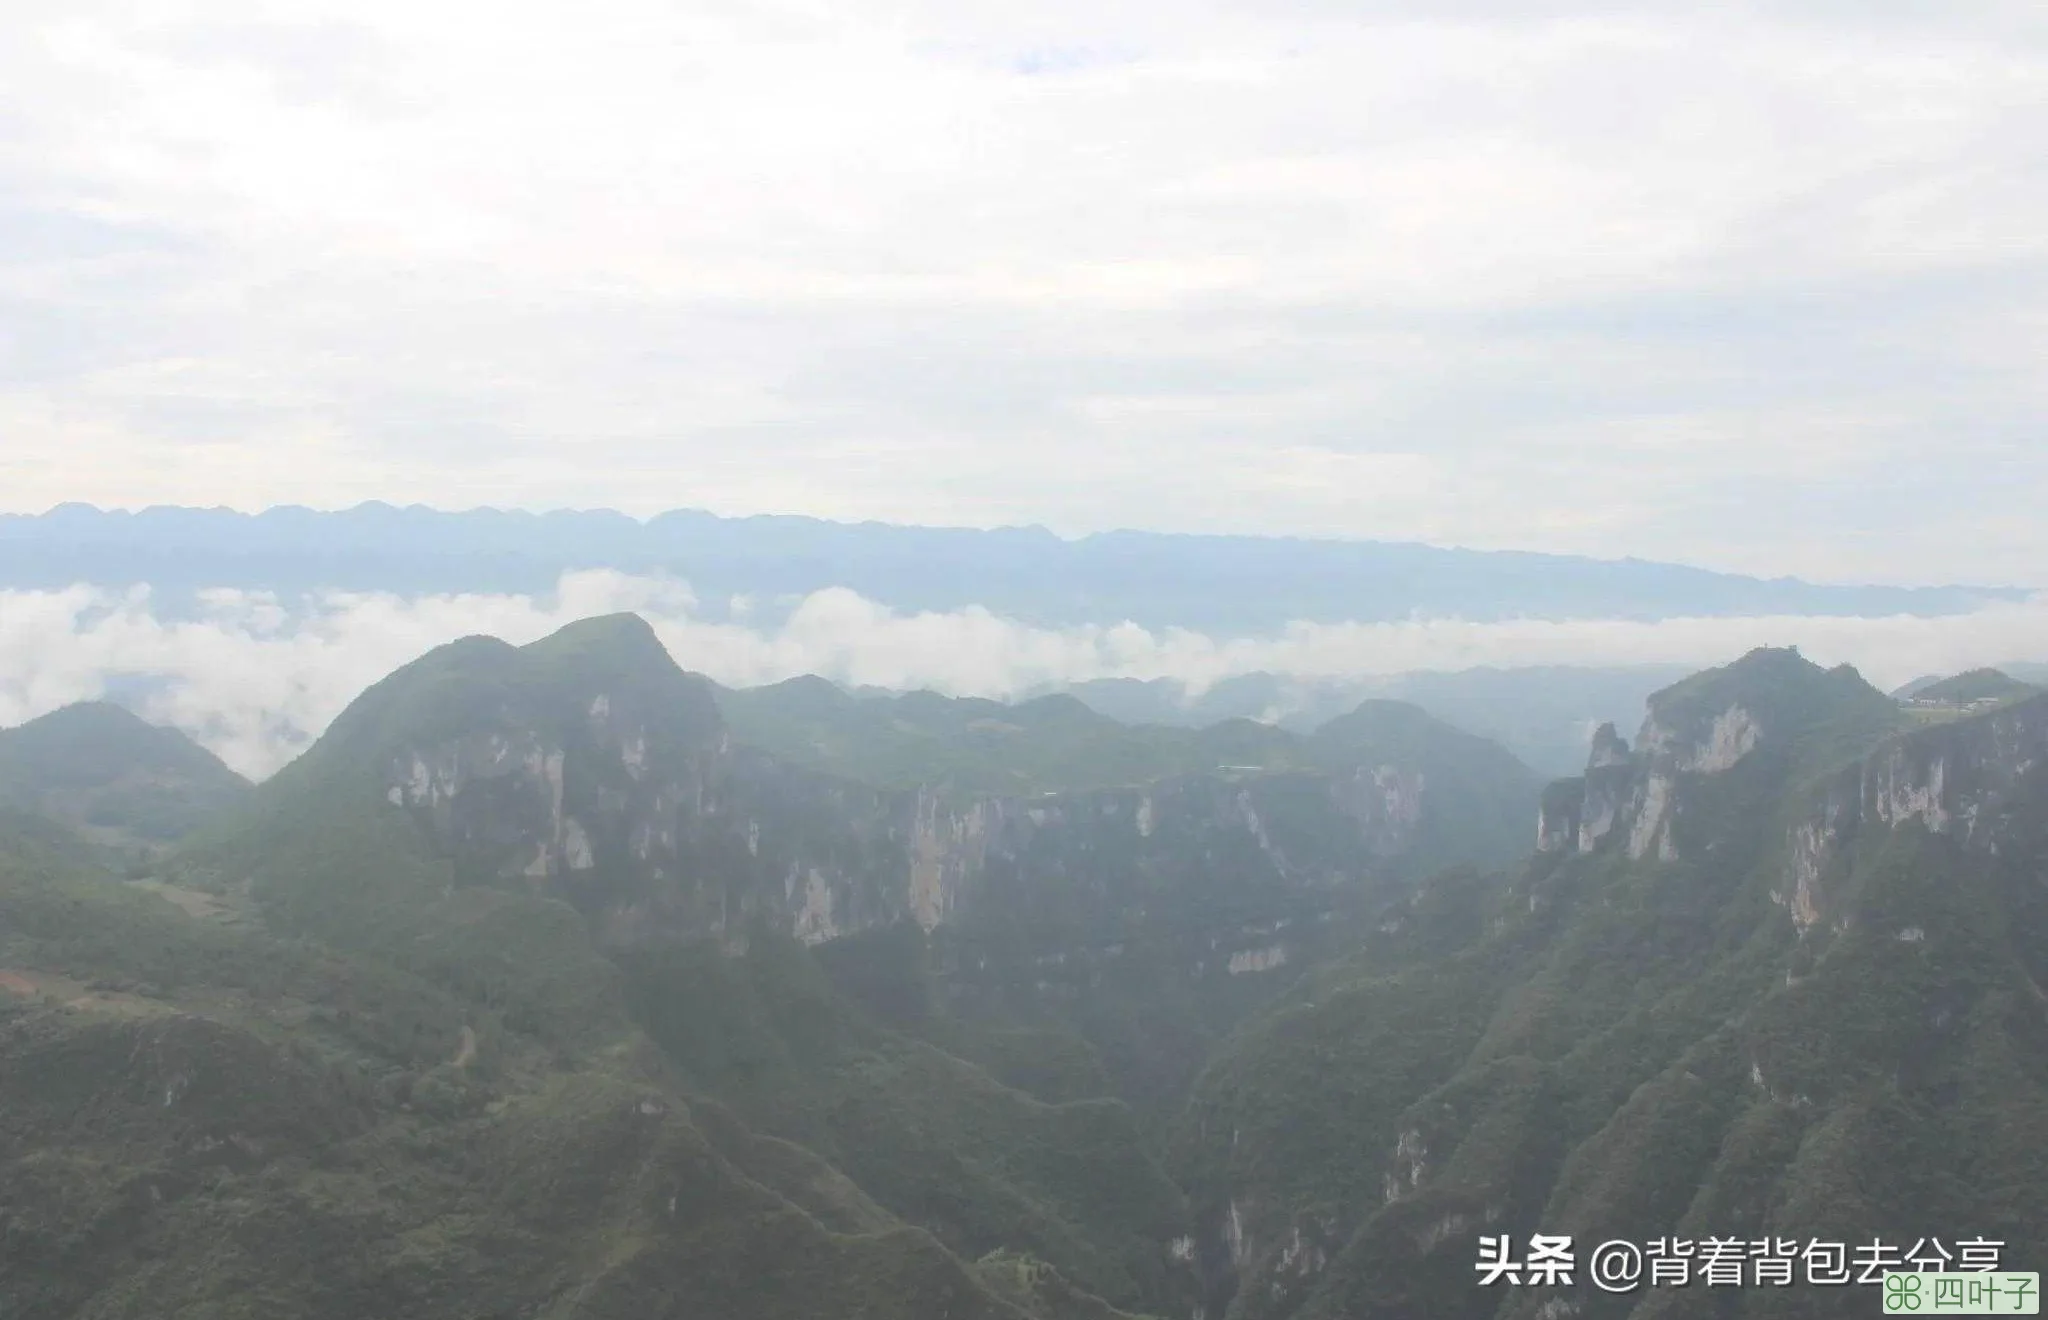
(658, 835)
(1982, 781)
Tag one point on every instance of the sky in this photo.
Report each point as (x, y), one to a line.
(255, 682)
(1759, 287)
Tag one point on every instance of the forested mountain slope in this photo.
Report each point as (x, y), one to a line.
(1775, 974)
(528, 990)
(531, 990)
(127, 784)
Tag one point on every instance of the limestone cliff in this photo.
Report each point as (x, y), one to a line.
(1780, 936)
(588, 767)
(1970, 779)
(1981, 781)
(1704, 729)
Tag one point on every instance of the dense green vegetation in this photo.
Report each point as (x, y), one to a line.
(929, 1135)
(970, 744)
(1057, 744)
(468, 1075)
(333, 1058)
(1974, 685)
(1610, 1048)
(128, 785)
(200, 1120)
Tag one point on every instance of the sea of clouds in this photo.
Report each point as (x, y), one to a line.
(255, 678)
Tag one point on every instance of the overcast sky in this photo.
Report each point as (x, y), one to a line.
(1758, 290)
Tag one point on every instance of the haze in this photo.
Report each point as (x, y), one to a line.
(1755, 287)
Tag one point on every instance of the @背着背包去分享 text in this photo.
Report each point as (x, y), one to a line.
(1619, 1265)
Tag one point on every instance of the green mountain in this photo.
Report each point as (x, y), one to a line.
(342, 1029)
(1774, 975)
(1056, 746)
(1540, 713)
(1972, 686)
(1048, 744)
(539, 988)
(204, 1121)
(1154, 884)
(529, 956)
(125, 783)
(1145, 916)
(587, 767)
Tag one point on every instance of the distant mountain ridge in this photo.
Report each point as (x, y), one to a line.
(1970, 686)
(1235, 584)
(1058, 743)
(1542, 713)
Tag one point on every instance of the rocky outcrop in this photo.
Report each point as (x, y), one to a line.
(1386, 801)
(1604, 790)
(1704, 728)
(1609, 749)
(1731, 735)
(1559, 815)
(1770, 773)
(616, 787)
(1982, 781)
(1580, 815)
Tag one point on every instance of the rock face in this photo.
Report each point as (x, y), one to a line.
(602, 775)
(1631, 798)
(1971, 779)
(1981, 781)
(1782, 936)
(1704, 729)
(1558, 816)
(1605, 789)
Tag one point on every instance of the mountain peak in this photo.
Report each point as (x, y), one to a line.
(1762, 666)
(1804, 718)
(1973, 685)
(100, 739)
(1381, 715)
(621, 634)
(483, 687)
(1387, 726)
(80, 716)
(99, 765)
(1774, 686)
(1060, 706)
(619, 654)
(809, 693)
(1609, 748)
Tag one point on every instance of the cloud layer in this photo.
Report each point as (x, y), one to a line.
(1754, 286)
(255, 683)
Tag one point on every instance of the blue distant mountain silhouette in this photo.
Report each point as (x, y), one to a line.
(1231, 584)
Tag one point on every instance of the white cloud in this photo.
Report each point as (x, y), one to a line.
(1689, 281)
(254, 680)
